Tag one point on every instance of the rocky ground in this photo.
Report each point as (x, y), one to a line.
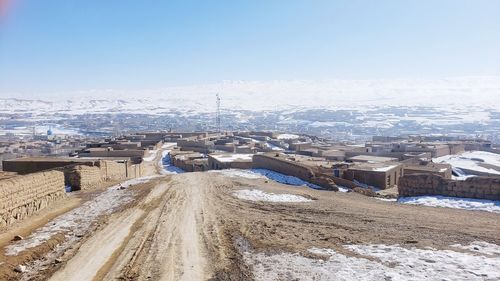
(192, 226)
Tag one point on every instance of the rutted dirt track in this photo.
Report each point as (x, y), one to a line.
(189, 227)
(166, 244)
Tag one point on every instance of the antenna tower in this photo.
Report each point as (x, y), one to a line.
(217, 116)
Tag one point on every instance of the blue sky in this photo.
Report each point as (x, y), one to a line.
(66, 45)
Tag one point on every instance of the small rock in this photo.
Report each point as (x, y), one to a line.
(58, 261)
(476, 248)
(17, 238)
(20, 268)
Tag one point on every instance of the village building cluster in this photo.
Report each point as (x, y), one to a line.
(383, 167)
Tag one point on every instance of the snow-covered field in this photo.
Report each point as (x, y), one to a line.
(258, 195)
(453, 202)
(74, 223)
(473, 160)
(387, 262)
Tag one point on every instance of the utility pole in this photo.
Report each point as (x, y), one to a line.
(217, 116)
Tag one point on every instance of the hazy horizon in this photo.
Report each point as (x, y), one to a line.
(58, 46)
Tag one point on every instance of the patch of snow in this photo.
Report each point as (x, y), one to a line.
(166, 164)
(74, 223)
(137, 181)
(385, 263)
(281, 178)
(384, 169)
(480, 247)
(168, 145)
(287, 137)
(273, 147)
(461, 178)
(258, 195)
(386, 199)
(459, 175)
(152, 156)
(232, 157)
(342, 189)
(473, 160)
(453, 202)
(238, 173)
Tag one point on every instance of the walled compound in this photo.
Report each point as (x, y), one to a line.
(430, 184)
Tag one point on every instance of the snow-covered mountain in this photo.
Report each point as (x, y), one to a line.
(449, 94)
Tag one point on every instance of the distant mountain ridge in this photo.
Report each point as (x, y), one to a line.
(456, 93)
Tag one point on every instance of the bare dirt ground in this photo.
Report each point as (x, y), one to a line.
(190, 227)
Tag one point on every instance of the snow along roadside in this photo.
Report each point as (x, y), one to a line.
(259, 195)
(453, 202)
(387, 262)
(74, 223)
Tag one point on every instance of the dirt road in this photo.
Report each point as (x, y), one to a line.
(167, 244)
(191, 227)
(158, 239)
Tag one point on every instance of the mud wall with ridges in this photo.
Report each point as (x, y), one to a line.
(283, 166)
(428, 184)
(82, 177)
(24, 195)
(280, 165)
(114, 170)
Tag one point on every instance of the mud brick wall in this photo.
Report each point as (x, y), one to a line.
(428, 184)
(24, 195)
(300, 171)
(136, 171)
(114, 170)
(283, 166)
(82, 177)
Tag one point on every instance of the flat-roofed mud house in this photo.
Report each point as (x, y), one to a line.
(422, 166)
(371, 159)
(380, 175)
(230, 161)
(189, 161)
(436, 149)
(196, 144)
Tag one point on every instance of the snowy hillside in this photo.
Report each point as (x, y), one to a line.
(451, 94)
